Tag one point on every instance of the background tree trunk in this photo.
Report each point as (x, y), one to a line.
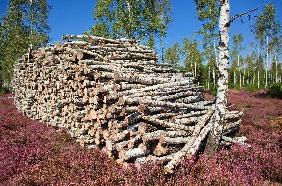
(267, 58)
(234, 77)
(209, 78)
(239, 67)
(258, 80)
(276, 71)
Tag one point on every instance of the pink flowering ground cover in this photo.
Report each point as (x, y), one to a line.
(32, 153)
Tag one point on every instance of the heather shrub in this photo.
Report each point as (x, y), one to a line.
(32, 153)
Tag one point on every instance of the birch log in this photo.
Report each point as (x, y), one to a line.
(113, 95)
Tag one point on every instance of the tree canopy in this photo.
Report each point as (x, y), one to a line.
(25, 24)
(144, 20)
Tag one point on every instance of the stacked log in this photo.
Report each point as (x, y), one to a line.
(113, 95)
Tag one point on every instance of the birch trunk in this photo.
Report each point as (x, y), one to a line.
(244, 71)
(195, 68)
(129, 32)
(213, 76)
(266, 70)
(240, 75)
(276, 70)
(254, 78)
(222, 82)
(258, 79)
(162, 48)
(209, 78)
(234, 77)
(248, 82)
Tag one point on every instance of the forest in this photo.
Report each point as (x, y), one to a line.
(148, 22)
(116, 101)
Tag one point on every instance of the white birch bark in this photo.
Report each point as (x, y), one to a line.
(254, 77)
(234, 77)
(113, 105)
(213, 76)
(240, 75)
(244, 72)
(267, 58)
(276, 70)
(162, 48)
(258, 79)
(222, 82)
(129, 16)
(248, 80)
(195, 68)
(209, 78)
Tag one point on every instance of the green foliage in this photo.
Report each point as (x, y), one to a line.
(237, 43)
(24, 24)
(250, 88)
(4, 90)
(237, 48)
(36, 19)
(267, 24)
(100, 29)
(213, 90)
(151, 42)
(193, 59)
(208, 14)
(144, 20)
(236, 65)
(275, 44)
(188, 58)
(259, 64)
(172, 55)
(275, 90)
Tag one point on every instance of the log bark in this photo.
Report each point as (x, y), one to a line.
(113, 95)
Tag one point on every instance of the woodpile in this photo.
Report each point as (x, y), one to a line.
(112, 94)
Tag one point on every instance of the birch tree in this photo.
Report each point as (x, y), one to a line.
(158, 15)
(192, 56)
(208, 13)
(222, 82)
(24, 24)
(250, 69)
(145, 20)
(260, 70)
(275, 49)
(172, 55)
(237, 43)
(266, 29)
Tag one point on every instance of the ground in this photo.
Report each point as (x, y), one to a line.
(32, 153)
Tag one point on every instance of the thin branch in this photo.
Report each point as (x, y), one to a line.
(233, 18)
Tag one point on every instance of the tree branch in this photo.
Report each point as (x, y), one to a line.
(233, 18)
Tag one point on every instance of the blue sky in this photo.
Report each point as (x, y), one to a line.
(75, 17)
